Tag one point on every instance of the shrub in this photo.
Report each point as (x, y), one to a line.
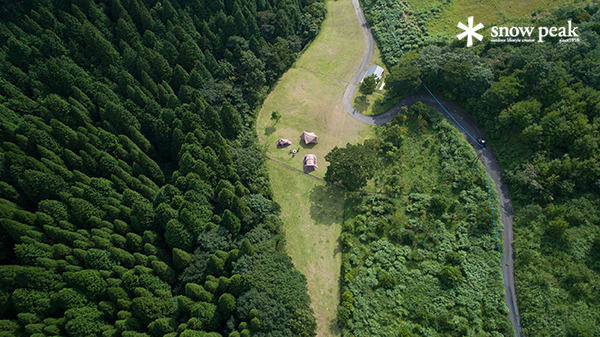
(368, 85)
(83, 322)
(226, 305)
(162, 326)
(206, 313)
(148, 309)
(451, 276)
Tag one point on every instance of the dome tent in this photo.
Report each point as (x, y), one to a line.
(310, 162)
(309, 137)
(282, 142)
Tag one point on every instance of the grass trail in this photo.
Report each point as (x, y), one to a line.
(312, 212)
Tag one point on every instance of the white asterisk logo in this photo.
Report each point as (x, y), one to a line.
(469, 31)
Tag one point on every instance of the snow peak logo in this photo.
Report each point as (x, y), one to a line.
(525, 34)
(469, 31)
(518, 34)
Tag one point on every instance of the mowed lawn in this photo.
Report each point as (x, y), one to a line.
(338, 49)
(312, 213)
(311, 210)
(307, 102)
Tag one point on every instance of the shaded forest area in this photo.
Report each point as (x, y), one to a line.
(539, 104)
(133, 196)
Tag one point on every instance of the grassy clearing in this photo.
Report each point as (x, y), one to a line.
(338, 49)
(311, 211)
(377, 59)
(484, 12)
(374, 104)
(420, 5)
(312, 103)
(420, 153)
(307, 102)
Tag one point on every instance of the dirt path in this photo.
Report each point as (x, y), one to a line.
(468, 125)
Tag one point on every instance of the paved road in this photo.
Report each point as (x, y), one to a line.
(362, 70)
(471, 127)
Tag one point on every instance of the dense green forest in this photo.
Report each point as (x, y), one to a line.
(133, 197)
(539, 104)
(420, 256)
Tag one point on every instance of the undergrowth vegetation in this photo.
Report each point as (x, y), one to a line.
(421, 258)
(539, 104)
(408, 25)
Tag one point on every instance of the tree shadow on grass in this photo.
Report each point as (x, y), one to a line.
(361, 104)
(324, 204)
(379, 106)
(334, 329)
(269, 130)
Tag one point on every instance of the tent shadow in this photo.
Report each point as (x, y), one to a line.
(306, 146)
(324, 204)
(309, 169)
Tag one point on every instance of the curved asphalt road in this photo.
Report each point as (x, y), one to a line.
(471, 127)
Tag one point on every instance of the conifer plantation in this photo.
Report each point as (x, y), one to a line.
(133, 196)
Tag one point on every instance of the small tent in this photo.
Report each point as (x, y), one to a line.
(310, 162)
(282, 142)
(308, 137)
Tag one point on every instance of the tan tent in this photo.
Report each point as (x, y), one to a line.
(282, 142)
(310, 162)
(309, 137)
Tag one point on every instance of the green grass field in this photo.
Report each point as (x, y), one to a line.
(313, 212)
(338, 49)
(307, 102)
(485, 12)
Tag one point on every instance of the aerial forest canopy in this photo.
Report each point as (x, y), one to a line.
(539, 103)
(420, 258)
(133, 197)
